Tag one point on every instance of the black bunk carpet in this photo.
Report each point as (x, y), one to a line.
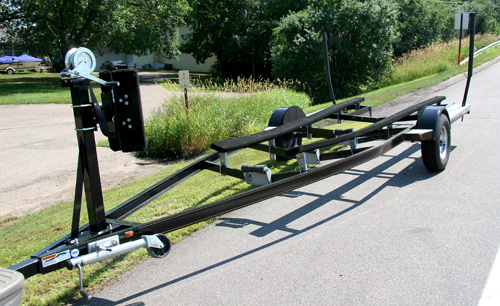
(245, 141)
(371, 128)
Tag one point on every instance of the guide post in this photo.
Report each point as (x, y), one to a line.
(461, 24)
(184, 84)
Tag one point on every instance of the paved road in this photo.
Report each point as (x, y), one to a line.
(387, 232)
(39, 151)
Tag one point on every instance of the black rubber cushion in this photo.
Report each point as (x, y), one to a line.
(251, 168)
(284, 115)
(245, 141)
(128, 111)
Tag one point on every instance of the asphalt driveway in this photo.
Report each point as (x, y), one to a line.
(38, 152)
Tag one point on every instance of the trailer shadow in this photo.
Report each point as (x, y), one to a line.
(412, 173)
(240, 185)
(416, 171)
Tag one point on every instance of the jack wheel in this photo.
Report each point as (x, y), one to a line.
(160, 253)
(435, 153)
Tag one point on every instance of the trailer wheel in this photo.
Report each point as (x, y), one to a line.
(283, 115)
(10, 71)
(160, 253)
(435, 153)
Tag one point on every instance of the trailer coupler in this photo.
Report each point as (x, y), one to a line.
(158, 246)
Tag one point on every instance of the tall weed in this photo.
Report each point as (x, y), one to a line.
(433, 59)
(174, 131)
(239, 85)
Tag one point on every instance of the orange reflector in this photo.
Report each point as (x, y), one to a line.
(50, 257)
(129, 234)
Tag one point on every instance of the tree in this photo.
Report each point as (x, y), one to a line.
(422, 23)
(360, 37)
(149, 25)
(486, 13)
(237, 32)
(10, 13)
(52, 27)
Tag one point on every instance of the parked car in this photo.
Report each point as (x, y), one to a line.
(113, 65)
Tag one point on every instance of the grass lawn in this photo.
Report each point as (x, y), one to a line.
(35, 88)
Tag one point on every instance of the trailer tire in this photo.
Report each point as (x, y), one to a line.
(283, 115)
(160, 253)
(435, 153)
(10, 71)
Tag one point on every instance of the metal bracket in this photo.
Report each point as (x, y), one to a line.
(302, 161)
(152, 241)
(223, 162)
(104, 244)
(353, 143)
(306, 158)
(313, 157)
(256, 175)
(272, 144)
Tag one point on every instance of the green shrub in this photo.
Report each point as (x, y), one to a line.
(360, 36)
(173, 131)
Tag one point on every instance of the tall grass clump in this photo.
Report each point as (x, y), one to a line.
(433, 59)
(240, 84)
(174, 131)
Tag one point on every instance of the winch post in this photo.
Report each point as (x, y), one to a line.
(85, 126)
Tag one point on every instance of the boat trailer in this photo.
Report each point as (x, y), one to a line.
(120, 118)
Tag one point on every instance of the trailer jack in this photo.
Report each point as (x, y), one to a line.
(158, 246)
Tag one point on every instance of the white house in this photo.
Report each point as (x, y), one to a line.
(152, 61)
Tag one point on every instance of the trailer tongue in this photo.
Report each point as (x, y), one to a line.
(120, 117)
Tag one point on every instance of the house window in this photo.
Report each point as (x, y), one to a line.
(144, 53)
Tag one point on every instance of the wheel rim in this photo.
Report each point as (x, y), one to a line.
(443, 143)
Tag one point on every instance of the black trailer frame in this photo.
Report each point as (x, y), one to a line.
(383, 129)
(108, 235)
